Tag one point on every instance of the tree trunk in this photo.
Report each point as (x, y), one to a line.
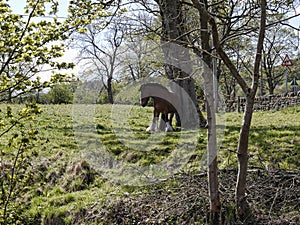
(110, 91)
(9, 95)
(243, 209)
(173, 29)
(213, 183)
(271, 90)
(271, 85)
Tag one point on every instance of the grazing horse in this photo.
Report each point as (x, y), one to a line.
(164, 102)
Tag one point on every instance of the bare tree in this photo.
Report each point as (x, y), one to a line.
(140, 59)
(99, 51)
(279, 41)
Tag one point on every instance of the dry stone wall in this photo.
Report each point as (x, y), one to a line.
(271, 102)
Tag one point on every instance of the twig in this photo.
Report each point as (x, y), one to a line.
(12, 184)
(274, 200)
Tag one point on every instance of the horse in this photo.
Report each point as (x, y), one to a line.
(164, 102)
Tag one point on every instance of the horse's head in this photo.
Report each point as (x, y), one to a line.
(144, 101)
(144, 95)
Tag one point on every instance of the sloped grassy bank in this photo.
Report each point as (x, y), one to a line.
(67, 188)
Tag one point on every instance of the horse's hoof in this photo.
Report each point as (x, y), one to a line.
(152, 130)
(169, 129)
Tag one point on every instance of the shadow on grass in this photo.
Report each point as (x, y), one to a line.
(269, 146)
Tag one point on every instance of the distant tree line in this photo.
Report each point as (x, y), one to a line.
(73, 92)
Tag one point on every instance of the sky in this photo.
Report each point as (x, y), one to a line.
(70, 55)
(296, 21)
(18, 7)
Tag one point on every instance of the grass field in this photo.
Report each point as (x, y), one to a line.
(92, 157)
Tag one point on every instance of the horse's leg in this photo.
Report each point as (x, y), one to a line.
(154, 124)
(164, 118)
(169, 123)
(178, 121)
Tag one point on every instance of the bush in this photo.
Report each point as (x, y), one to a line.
(61, 94)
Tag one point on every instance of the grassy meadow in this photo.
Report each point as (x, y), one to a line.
(96, 164)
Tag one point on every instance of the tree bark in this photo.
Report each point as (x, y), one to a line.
(241, 203)
(173, 29)
(110, 91)
(212, 159)
(213, 183)
(242, 206)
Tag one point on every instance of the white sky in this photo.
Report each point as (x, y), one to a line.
(18, 7)
(70, 55)
(296, 21)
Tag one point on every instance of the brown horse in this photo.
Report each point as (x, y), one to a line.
(164, 102)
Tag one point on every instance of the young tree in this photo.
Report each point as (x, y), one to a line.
(99, 51)
(27, 46)
(16, 154)
(249, 91)
(213, 183)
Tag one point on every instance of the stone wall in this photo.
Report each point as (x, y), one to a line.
(271, 102)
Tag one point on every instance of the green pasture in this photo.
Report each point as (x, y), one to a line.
(87, 156)
(72, 131)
